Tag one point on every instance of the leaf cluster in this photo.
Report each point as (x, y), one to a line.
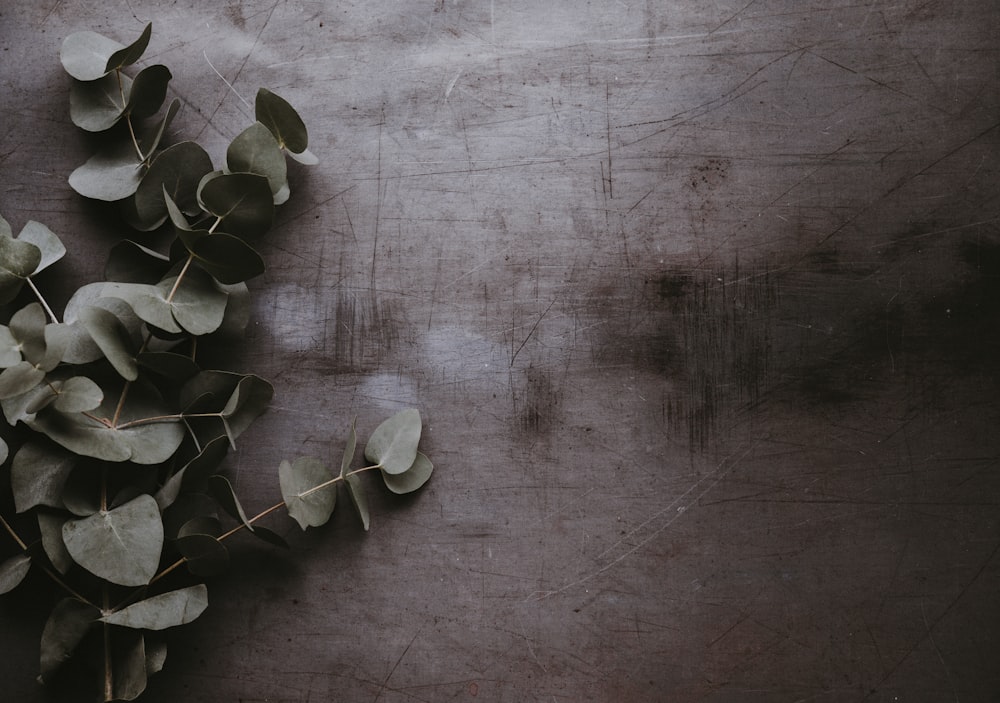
(116, 434)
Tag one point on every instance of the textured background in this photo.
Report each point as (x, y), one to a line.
(700, 304)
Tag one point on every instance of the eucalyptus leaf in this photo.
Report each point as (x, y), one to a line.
(108, 175)
(128, 55)
(356, 490)
(27, 325)
(81, 494)
(308, 504)
(149, 90)
(149, 302)
(270, 536)
(176, 170)
(10, 348)
(170, 365)
(128, 664)
(13, 571)
(77, 394)
(112, 339)
(282, 120)
(306, 157)
(197, 305)
(48, 243)
(64, 630)
(162, 611)
(203, 525)
(156, 656)
(131, 262)
(18, 260)
(227, 258)
(255, 150)
(85, 55)
(411, 479)
(97, 106)
(393, 444)
(203, 554)
(350, 448)
(4, 451)
(222, 491)
(38, 474)
(248, 402)
(238, 308)
(19, 379)
(151, 141)
(242, 201)
(194, 473)
(50, 526)
(122, 545)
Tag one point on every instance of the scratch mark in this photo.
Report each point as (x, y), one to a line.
(451, 84)
(732, 17)
(228, 84)
(378, 195)
(531, 332)
(607, 115)
(394, 667)
(50, 12)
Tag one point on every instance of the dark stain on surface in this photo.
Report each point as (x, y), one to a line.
(361, 331)
(536, 401)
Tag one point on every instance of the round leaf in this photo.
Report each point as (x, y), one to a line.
(18, 260)
(411, 479)
(149, 90)
(282, 120)
(309, 505)
(113, 339)
(85, 55)
(48, 243)
(128, 55)
(78, 394)
(162, 611)
(13, 571)
(122, 545)
(98, 105)
(203, 554)
(64, 630)
(255, 150)
(38, 474)
(177, 170)
(356, 490)
(242, 201)
(393, 444)
(227, 258)
(108, 175)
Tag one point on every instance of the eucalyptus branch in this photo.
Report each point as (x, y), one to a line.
(13, 534)
(41, 299)
(180, 277)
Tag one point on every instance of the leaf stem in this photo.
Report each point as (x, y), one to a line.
(162, 418)
(109, 689)
(10, 531)
(180, 277)
(41, 299)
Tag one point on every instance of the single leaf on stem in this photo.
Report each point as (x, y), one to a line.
(64, 630)
(13, 571)
(39, 473)
(222, 491)
(97, 106)
(128, 55)
(411, 479)
(162, 611)
(309, 505)
(85, 55)
(393, 444)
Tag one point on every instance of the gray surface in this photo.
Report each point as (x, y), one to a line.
(699, 301)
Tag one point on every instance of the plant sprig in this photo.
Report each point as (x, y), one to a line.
(124, 432)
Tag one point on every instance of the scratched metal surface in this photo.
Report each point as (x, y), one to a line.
(699, 302)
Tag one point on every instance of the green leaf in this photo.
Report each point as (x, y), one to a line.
(77, 394)
(222, 491)
(64, 630)
(163, 611)
(131, 262)
(255, 150)
(108, 175)
(156, 656)
(270, 536)
(18, 260)
(204, 555)
(27, 326)
(122, 545)
(50, 526)
(242, 202)
(19, 379)
(112, 339)
(13, 571)
(176, 367)
(393, 444)
(194, 473)
(308, 505)
(356, 490)
(198, 305)
(176, 170)
(38, 474)
(149, 90)
(4, 451)
(282, 120)
(227, 258)
(128, 662)
(98, 105)
(151, 140)
(10, 349)
(248, 402)
(149, 302)
(411, 479)
(48, 243)
(126, 56)
(238, 310)
(85, 55)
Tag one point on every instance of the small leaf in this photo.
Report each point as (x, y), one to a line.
(50, 526)
(18, 260)
(85, 55)
(148, 301)
(163, 611)
(156, 656)
(128, 662)
(78, 394)
(222, 491)
(64, 630)
(356, 490)
(393, 444)
(270, 536)
(255, 150)
(126, 56)
(282, 120)
(411, 479)
(13, 571)
(38, 474)
(203, 554)
(48, 243)
(308, 505)
(306, 157)
(108, 175)
(19, 379)
(149, 90)
(112, 339)
(194, 473)
(176, 170)
(98, 105)
(10, 348)
(151, 141)
(198, 306)
(131, 262)
(122, 545)
(227, 258)
(248, 402)
(242, 201)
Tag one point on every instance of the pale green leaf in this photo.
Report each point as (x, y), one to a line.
(156, 656)
(18, 260)
(248, 402)
(13, 571)
(222, 490)
(393, 444)
(64, 630)
(38, 474)
(176, 170)
(48, 243)
(77, 394)
(108, 175)
(111, 337)
(128, 662)
(282, 120)
(10, 349)
(149, 302)
(19, 379)
(122, 545)
(85, 55)
(255, 150)
(411, 479)
(356, 490)
(309, 505)
(162, 611)
(98, 105)
(198, 306)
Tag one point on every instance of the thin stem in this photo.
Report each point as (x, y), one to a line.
(162, 418)
(10, 531)
(211, 230)
(180, 277)
(41, 299)
(109, 688)
(135, 142)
